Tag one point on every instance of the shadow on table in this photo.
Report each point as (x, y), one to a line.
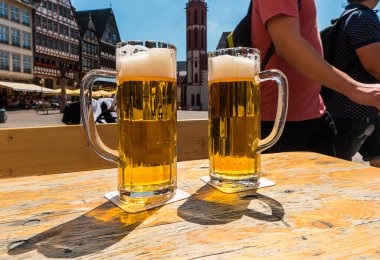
(90, 233)
(208, 206)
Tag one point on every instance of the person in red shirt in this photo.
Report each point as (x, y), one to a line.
(298, 54)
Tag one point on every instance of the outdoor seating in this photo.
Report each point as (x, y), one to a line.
(44, 107)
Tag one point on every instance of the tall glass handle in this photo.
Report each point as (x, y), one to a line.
(282, 107)
(88, 115)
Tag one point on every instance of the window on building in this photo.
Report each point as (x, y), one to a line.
(55, 44)
(50, 24)
(66, 47)
(202, 40)
(196, 63)
(38, 39)
(16, 62)
(15, 14)
(48, 5)
(61, 45)
(3, 10)
(196, 38)
(4, 60)
(196, 78)
(54, 7)
(43, 22)
(27, 64)
(188, 39)
(198, 99)
(192, 100)
(38, 21)
(49, 43)
(61, 28)
(26, 40)
(4, 34)
(43, 41)
(15, 37)
(55, 27)
(66, 28)
(26, 17)
(195, 17)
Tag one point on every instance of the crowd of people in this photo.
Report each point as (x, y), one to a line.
(26, 101)
(348, 121)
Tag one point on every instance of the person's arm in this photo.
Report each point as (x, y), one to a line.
(297, 52)
(369, 56)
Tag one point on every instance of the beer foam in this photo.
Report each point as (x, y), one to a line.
(232, 67)
(138, 62)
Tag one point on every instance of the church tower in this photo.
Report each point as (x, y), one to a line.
(195, 90)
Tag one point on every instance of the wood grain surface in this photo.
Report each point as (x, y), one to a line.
(320, 208)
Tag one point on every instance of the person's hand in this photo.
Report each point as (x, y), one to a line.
(366, 94)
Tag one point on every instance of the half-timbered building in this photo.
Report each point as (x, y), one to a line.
(56, 43)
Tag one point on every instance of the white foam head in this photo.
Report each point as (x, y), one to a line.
(137, 62)
(232, 67)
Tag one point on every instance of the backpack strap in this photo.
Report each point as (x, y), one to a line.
(336, 23)
(271, 48)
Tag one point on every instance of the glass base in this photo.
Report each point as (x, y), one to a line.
(114, 197)
(234, 186)
(159, 196)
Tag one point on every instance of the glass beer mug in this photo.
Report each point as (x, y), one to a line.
(146, 121)
(234, 140)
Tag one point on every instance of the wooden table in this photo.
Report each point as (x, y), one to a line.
(321, 207)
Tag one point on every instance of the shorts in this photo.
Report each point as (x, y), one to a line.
(314, 135)
(352, 134)
(370, 150)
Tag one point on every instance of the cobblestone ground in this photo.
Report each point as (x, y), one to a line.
(29, 118)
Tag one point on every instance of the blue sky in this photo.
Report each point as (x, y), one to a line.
(165, 19)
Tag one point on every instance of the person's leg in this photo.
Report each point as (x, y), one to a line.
(294, 137)
(351, 135)
(322, 140)
(370, 150)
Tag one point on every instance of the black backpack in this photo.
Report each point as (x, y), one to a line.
(328, 42)
(241, 35)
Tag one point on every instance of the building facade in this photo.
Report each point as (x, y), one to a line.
(195, 91)
(56, 34)
(102, 22)
(89, 45)
(16, 52)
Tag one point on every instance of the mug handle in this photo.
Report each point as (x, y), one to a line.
(282, 107)
(88, 115)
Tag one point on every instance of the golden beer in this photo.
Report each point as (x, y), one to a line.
(234, 129)
(235, 143)
(147, 137)
(147, 117)
(146, 107)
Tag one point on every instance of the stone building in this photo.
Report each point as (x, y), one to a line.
(194, 94)
(16, 53)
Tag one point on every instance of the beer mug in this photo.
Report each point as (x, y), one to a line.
(146, 121)
(234, 136)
